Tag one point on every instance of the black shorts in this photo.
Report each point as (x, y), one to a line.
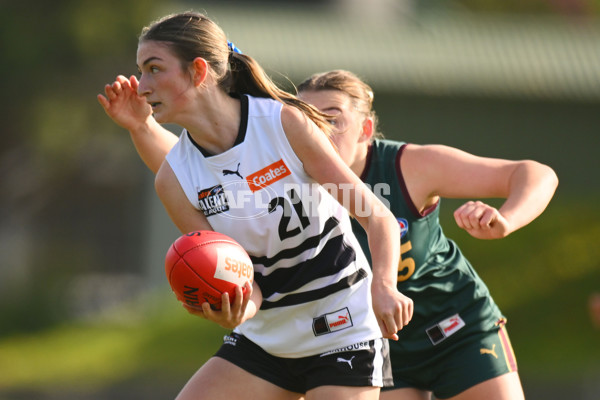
(362, 364)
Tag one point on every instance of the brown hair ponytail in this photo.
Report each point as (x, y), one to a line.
(192, 34)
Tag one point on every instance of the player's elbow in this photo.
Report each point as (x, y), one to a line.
(159, 183)
(549, 177)
(544, 176)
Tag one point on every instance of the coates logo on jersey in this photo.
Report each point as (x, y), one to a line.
(213, 200)
(403, 226)
(268, 175)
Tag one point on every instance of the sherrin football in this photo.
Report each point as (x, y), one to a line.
(201, 265)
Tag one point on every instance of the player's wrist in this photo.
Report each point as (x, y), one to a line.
(383, 284)
(142, 127)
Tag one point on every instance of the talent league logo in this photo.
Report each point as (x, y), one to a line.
(213, 200)
(234, 200)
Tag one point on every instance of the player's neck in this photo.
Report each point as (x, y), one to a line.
(360, 161)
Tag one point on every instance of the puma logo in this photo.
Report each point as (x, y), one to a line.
(340, 359)
(230, 172)
(488, 351)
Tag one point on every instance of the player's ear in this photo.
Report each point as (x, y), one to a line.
(199, 70)
(367, 130)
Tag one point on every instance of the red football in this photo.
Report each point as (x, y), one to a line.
(202, 265)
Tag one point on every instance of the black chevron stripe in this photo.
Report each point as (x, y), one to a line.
(309, 243)
(334, 257)
(317, 294)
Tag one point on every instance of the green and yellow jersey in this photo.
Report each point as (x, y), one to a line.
(451, 302)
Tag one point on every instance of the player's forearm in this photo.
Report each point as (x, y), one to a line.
(254, 303)
(152, 142)
(384, 240)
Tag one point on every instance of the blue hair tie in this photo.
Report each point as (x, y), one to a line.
(233, 48)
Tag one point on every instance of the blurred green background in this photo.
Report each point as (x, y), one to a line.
(85, 310)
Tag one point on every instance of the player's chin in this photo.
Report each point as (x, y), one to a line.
(159, 118)
(159, 115)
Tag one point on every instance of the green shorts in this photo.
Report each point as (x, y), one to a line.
(454, 365)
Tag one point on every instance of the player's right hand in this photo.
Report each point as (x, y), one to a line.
(481, 220)
(123, 104)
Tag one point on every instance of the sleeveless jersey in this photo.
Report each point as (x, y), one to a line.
(314, 278)
(449, 297)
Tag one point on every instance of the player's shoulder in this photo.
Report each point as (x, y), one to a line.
(292, 114)
(387, 144)
(295, 122)
(260, 106)
(384, 149)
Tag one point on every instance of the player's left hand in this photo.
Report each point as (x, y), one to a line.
(392, 309)
(481, 221)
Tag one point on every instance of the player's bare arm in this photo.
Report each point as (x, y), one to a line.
(434, 171)
(188, 219)
(322, 162)
(129, 110)
(181, 211)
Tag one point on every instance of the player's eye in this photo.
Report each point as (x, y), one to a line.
(332, 122)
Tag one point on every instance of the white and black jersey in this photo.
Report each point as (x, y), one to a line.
(313, 275)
